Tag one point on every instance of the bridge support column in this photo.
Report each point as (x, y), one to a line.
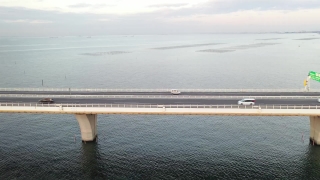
(88, 126)
(315, 129)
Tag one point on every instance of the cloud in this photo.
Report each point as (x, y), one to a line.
(168, 5)
(104, 20)
(28, 21)
(225, 6)
(102, 5)
(80, 5)
(209, 17)
(85, 5)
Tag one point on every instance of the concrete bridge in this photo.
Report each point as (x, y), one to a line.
(87, 104)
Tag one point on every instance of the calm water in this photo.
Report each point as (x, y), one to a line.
(44, 146)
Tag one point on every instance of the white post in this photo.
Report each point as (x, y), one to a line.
(308, 83)
(88, 126)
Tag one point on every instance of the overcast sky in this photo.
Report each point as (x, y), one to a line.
(104, 17)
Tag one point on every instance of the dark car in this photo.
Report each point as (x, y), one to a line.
(46, 101)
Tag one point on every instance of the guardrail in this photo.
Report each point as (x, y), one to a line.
(162, 106)
(157, 90)
(156, 96)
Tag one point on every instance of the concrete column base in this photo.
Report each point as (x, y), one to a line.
(88, 126)
(315, 130)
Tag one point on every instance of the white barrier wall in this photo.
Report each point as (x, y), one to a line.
(162, 110)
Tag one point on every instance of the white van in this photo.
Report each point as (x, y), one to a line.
(175, 91)
(247, 101)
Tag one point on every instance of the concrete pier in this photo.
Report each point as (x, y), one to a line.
(315, 130)
(88, 126)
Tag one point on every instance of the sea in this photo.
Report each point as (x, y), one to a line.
(49, 146)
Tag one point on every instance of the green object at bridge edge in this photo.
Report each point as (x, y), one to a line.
(314, 76)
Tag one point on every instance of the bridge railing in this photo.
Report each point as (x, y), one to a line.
(156, 90)
(162, 106)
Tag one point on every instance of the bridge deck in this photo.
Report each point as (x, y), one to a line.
(231, 110)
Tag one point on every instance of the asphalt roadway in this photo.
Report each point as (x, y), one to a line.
(165, 93)
(160, 101)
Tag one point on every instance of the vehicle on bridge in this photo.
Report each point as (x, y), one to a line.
(247, 101)
(175, 91)
(46, 101)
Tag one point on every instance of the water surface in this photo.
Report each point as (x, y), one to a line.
(45, 146)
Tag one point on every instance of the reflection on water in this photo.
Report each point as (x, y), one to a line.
(185, 46)
(105, 53)
(90, 157)
(240, 47)
(306, 39)
(311, 162)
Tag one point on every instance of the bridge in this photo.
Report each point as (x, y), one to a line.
(86, 104)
